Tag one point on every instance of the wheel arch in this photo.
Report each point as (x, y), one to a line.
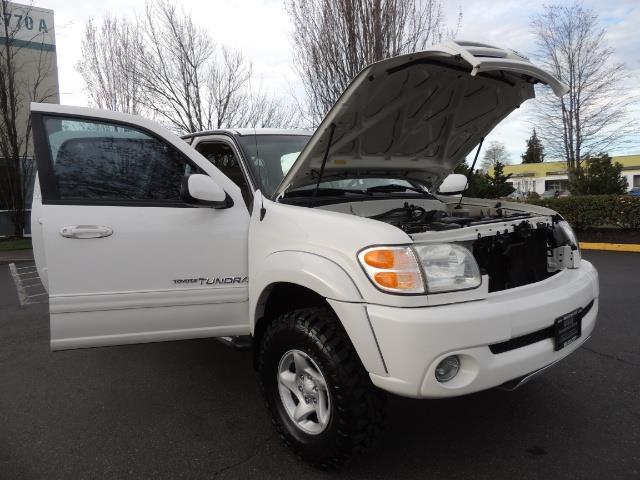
(278, 298)
(288, 280)
(281, 297)
(316, 273)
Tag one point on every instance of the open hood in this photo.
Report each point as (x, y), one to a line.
(419, 115)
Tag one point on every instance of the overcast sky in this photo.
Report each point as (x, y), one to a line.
(260, 28)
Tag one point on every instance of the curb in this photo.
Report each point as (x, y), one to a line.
(613, 247)
(16, 256)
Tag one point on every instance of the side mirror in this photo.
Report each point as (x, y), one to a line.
(201, 191)
(453, 184)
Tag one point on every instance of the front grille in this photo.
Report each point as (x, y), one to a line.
(531, 338)
(513, 259)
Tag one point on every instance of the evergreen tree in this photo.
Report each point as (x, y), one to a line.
(478, 184)
(498, 186)
(598, 176)
(535, 150)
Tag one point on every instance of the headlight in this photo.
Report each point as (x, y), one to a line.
(448, 267)
(392, 269)
(567, 232)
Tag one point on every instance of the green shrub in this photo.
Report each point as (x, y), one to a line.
(533, 196)
(592, 211)
(14, 244)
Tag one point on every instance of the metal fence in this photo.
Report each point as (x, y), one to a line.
(28, 284)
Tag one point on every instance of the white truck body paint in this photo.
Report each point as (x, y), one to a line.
(420, 113)
(149, 280)
(427, 335)
(120, 289)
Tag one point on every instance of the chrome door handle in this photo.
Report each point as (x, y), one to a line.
(86, 231)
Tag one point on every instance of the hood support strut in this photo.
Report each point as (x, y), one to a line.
(470, 172)
(324, 162)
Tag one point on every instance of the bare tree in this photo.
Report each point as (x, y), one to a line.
(110, 64)
(190, 85)
(176, 55)
(231, 100)
(334, 39)
(25, 68)
(495, 153)
(593, 116)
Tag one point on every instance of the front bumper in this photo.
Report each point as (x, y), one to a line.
(412, 341)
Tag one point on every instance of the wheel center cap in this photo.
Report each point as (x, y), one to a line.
(303, 392)
(309, 386)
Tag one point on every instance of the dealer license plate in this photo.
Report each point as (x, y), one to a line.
(567, 329)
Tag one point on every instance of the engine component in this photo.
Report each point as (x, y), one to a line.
(414, 219)
(517, 258)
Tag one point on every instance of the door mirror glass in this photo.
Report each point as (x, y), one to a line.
(454, 183)
(200, 190)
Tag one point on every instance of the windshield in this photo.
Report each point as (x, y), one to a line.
(270, 157)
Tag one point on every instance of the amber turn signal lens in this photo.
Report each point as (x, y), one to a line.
(379, 258)
(398, 280)
(393, 269)
(387, 279)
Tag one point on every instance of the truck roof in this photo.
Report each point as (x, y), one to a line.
(251, 131)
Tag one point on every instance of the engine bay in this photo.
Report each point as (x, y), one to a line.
(514, 248)
(513, 244)
(412, 218)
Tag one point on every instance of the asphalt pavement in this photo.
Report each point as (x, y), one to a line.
(192, 409)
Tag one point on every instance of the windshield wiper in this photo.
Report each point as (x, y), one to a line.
(324, 192)
(394, 187)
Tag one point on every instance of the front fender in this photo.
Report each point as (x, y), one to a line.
(329, 280)
(309, 270)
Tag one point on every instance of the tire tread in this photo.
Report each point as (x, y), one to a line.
(362, 406)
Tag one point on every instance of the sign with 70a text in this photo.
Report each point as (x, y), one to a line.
(26, 25)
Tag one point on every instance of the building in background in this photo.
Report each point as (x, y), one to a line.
(552, 176)
(31, 36)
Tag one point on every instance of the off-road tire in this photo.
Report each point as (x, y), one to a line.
(358, 407)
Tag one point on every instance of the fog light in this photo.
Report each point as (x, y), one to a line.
(447, 368)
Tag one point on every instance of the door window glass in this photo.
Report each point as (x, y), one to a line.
(222, 156)
(102, 161)
(556, 185)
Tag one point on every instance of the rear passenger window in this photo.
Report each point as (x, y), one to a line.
(101, 161)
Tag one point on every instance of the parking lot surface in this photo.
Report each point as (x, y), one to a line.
(192, 409)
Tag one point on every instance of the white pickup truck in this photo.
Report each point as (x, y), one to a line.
(347, 256)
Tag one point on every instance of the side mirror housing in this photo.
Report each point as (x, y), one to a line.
(201, 191)
(455, 183)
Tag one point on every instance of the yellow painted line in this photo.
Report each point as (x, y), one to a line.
(615, 247)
